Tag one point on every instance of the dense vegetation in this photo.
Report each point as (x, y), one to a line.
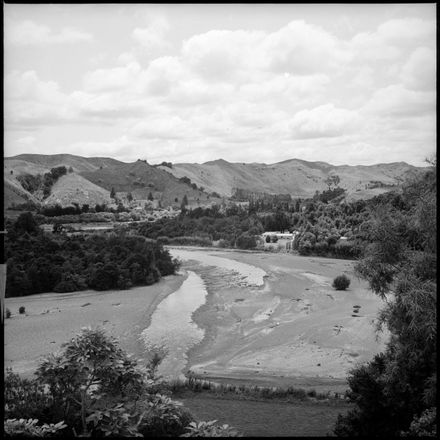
(40, 262)
(92, 388)
(206, 224)
(320, 224)
(395, 393)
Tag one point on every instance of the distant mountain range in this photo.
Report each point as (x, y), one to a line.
(90, 180)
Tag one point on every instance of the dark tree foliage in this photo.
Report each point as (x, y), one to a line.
(204, 223)
(341, 282)
(45, 262)
(400, 264)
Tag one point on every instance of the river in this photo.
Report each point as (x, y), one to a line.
(172, 331)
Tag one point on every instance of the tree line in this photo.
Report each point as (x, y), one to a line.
(39, 262)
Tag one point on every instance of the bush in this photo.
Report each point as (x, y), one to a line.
(341, 282)
(8, 313)
(246, 241)
(210, 429)
(21, 310)
(164, 418)
(29, 428)
(26, 398)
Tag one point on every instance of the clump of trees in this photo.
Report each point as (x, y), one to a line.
(92, 388)
(235, 227)
(39, 262)
(395, 393)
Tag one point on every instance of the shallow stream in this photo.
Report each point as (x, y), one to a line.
(172, 331)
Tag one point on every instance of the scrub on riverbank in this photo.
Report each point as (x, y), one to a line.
(54, 318)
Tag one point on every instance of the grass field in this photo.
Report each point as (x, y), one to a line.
(266, 418)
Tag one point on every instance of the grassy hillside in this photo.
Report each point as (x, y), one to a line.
(296, 177)
(78, 163)
(14, 194)
(73, 188)
(140, 179)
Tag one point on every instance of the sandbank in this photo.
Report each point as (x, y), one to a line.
(296, 330)
(54, 318)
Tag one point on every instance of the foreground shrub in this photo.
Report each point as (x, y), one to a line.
(8, 313)
(97, 390)
(164, 417)
(27, 398)
(90, 359)
(116, 421)
(29, 428)
(423, 426)
(21, 310)
(341, 282)
(210, 429)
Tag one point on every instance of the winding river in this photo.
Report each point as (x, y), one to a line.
(172, 331)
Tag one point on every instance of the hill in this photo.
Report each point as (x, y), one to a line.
(73, 188)
(93, 178)
(140, 179)
(295, 177)
(45, 161)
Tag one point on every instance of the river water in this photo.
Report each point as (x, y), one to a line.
(172, 331)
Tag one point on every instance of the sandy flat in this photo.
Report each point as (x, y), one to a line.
(294, 330)
(54, 318)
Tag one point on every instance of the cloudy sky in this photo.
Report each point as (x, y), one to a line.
(344, 84)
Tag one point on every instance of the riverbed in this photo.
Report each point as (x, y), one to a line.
(241, 317)
(274, 319)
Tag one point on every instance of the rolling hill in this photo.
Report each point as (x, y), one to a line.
(93, 178)
(140, 179)
(78, 163)
(295, 177)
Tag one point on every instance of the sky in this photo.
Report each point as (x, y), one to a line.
(338, 83)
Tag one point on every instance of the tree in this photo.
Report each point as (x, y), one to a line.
(398, 386)
(184, 203)
(246, 241)
(26, 223)
(333, 180)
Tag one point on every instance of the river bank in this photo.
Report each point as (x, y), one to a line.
(53, 318)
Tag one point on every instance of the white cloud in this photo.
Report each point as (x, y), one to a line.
(29, 33)
(116, 78)
(172, 127)
(392, 39)
(153, 37)
(419, 72)
(323, 121)
(27, 140)
(302, 49)
(241, 92)
(396, 101)
(220, 55)
(29, 100)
